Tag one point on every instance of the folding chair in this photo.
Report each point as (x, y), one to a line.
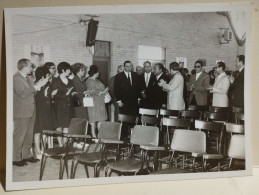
(198, 107)
(237, 110)
(150, 112)
(218, 109)
(216, 116)
(109, 134)
(169, 113)
(145, 136)
(77, 131)
(150, 120)
(240, 118)
(191, 114)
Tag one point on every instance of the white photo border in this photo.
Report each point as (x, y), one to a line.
(120, 9)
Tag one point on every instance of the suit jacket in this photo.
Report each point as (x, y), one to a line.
(127, 93)
(220, 91)
(158, 96)
(237, 90)
(23, 96)
(200, 91)
(175, 100)
(146, 103)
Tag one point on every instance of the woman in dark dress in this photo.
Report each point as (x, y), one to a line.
(79, 71)
(45, 116)
(62, 100)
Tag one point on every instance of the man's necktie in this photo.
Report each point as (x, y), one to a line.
(129, 79)
(146, 81)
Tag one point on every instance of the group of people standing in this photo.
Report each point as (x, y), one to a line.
(43, 101)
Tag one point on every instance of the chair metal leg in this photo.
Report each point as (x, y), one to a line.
(66, 166)
(106, 171)
(219, 166)
(86, 171)
(230, 163)
(61, 168)
(95, 170)
(72, 169)
(75, 167)
(205, 165)
(183, 165)
(42, 166)
(193, 164)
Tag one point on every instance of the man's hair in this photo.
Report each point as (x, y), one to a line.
(175, 66)
(22, 63)
(222, 65)
(147, 62)
(75, 68)
(48, 65)
(63, 66)
(241, 58)
(139, 67)
(199, 62)
(127, 61)
(160, 66)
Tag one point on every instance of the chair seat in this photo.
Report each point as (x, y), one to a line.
(58, 151)
(129, 165)
(171, 170)
(212, 156)
(94, 157)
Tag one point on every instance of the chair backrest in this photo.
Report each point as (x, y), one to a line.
(167, 113)
(237, 147)
(78, 126)
(151, 112)
(150, 120)
(197, 107)
(176, 122)
(127, 118)
(209, 125)
(239, 117)
(235, 128)
(142, 135)
(189, 141)
(216, 116)
(237, 109)
(194, 114)
(110, 130)
(218, 109)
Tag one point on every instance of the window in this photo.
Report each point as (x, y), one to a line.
(152, 54)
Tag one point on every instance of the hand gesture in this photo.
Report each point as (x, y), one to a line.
(74, 93)
(46, 91)
(120, 104)
(161, 83)
(69, 91)
(54, 92)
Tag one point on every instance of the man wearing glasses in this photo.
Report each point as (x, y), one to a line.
(198, 84)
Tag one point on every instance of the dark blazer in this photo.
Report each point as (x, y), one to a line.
(146, 103)
(127, 93)
(200, 91)
(80, 87)
(237, 90)
(157, 95)
(23, 96)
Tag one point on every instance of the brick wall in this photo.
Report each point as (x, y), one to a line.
(191, 35)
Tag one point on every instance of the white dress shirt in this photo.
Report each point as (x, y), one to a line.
(128, 73)
(147, 77)
(197, 75)
(157, 77)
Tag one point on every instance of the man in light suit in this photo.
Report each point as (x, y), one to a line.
(237, 83)
(175, 100)
(197, 86)
(220, 87)
(24, 112)
(146, 80)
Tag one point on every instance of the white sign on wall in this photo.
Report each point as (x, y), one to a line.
(182, 61)
(37, 54)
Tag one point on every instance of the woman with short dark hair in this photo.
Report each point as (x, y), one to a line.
(45, 115)
(98, 112)
(63, 98)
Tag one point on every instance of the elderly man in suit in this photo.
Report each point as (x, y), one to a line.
(237, 83)
(158, 96)
(24, 112)
(175, 100)
(220, 87)
(197, 86)
(146, 80)
(127, 90)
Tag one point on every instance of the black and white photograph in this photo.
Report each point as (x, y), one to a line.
(115, 94)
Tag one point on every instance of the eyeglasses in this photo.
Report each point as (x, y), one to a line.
(196, 66)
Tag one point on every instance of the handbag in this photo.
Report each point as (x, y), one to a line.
(88, 101)
(75, 101)
(107, 98)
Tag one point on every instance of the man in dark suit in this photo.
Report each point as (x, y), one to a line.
(146, 80)
(24, 112)
(197, 86)
(157, 95)
(127, 90)
(237, 86)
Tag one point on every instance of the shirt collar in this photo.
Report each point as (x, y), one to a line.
(25, 76)
(198, 74)
(127, 73)
(157, 77)
(241, 69)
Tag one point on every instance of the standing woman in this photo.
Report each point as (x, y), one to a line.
(62, 100)
(98, 112)
(79, 71)
(45, 116)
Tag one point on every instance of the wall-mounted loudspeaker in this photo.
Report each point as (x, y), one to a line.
(91, 32)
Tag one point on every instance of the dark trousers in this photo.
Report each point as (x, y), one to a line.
(193, 102)
(23, 137)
